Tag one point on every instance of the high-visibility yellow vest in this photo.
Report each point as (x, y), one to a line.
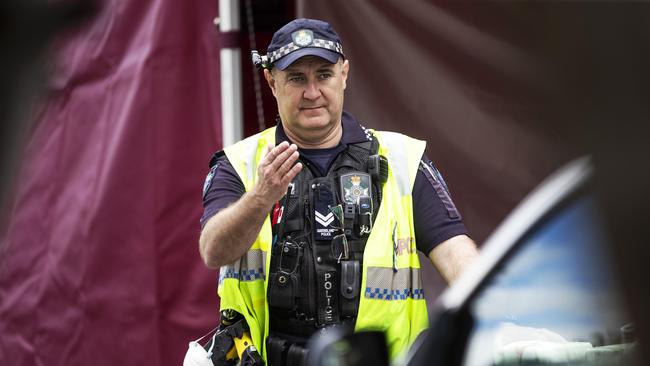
(392, 297)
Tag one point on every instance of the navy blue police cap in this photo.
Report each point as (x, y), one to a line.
(304, 37)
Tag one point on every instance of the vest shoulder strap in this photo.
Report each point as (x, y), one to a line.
(245, 155)
(403, 154)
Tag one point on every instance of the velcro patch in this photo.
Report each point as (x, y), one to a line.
(208, 180)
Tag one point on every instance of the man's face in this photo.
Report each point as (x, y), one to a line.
(309, 94)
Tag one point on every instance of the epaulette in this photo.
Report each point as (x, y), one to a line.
(218, 155)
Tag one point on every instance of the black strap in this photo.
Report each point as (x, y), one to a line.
(366, 145)
(216, 156)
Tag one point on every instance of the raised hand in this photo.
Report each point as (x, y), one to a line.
(276, 170)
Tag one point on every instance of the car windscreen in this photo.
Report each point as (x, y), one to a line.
(555, 300)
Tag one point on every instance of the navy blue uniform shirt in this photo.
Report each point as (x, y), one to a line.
(435, 216)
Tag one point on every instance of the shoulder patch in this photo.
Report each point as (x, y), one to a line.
(438, 183)
(208, 179)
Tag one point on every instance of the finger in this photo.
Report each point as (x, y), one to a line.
(282, 157)
(288, 163)
(274, 152)
(292, 173)
(266, 150)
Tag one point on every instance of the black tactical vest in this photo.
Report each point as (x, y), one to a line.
(320, 229)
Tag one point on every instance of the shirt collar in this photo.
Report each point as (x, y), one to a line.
(353, 132)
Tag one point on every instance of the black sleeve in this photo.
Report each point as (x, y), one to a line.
(222, 188)
(435, 216)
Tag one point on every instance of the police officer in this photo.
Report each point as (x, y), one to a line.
(317, 222)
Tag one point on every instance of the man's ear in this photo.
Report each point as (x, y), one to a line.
(344, 72)
(270, 80)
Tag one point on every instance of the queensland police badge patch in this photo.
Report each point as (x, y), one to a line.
(354, 186)
(302, 37)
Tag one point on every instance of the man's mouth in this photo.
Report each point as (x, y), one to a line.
(312, 111)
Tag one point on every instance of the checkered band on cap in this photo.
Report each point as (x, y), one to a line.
(317, 43)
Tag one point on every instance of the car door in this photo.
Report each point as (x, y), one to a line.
(544, 292)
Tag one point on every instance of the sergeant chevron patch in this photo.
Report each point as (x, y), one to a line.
(324, 220)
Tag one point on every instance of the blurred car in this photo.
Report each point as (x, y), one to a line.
(542, 293)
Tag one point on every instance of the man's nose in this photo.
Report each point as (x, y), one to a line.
(311, 91)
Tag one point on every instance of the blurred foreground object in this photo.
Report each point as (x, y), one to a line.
(98, 250)
(26, 29)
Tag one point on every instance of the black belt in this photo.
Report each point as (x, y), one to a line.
(288, 325)
(291, 350)
(299, 329)
(282, 349)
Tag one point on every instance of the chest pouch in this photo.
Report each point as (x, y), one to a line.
(284, 281)
(350, 285)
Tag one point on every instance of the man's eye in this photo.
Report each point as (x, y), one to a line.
(295, 79)
(325, 76)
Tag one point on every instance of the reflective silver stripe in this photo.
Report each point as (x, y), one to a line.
(397, 159)
(387, 284)
(250, 267)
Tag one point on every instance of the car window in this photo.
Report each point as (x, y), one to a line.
(554, 301)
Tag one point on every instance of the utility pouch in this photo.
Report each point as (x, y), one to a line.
(294, 215)
(285, 282)
(350, 286)
(282, 290)
(289, 256)
(350, 213)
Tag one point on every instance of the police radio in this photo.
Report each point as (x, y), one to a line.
(378, 168)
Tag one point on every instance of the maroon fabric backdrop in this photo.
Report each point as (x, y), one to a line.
(100, 263)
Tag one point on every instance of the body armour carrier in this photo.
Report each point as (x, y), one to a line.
(320, 229)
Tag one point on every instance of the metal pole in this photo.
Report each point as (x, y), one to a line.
(231, 83)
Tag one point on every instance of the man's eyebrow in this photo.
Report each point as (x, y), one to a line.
(290, 70)
(326, 67)
(293, 73)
